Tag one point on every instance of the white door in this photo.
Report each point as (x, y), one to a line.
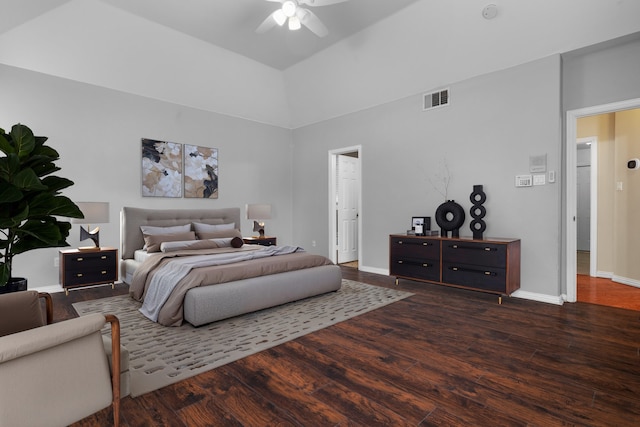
(583, 211)
(347, 207)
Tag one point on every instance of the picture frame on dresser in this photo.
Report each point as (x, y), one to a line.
(420, 224)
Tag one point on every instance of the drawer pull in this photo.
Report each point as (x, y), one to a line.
(419, 264)
(79, 259)
(103, 257)
(79, 275)
(471, 270)
(103, 272)
(409, 242)
(475, 248)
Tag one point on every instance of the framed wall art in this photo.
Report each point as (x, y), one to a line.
(161, 168)
(200, 172)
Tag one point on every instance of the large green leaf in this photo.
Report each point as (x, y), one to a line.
(23, 140)
(16, 217)
(9, 194)
(27, 179)
(9, 166)
(56, 183)
(47, 204)
(5, 145)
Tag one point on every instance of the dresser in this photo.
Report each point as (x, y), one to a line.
(86, 268)
(488, 265)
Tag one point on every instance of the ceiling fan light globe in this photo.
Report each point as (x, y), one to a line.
(289, 8)
(294, 23)
(279, 17)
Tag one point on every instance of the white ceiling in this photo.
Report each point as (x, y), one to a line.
(231, 24)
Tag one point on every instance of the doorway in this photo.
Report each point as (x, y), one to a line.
(571, 191)
(345, 203)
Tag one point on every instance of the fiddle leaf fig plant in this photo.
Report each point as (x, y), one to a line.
(30, 199)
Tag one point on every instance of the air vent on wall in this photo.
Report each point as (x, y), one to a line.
(435, 99)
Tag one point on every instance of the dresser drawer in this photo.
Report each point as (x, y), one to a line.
(415, 247)
(419, 269)
(473, 276)
(87, 277)
(475, 253)
(87, 261)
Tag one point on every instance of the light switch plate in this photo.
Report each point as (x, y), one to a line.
(539, 179)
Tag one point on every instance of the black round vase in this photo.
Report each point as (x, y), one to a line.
(15, 284)
(450, 217)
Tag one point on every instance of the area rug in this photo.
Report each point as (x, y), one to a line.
(161, 355)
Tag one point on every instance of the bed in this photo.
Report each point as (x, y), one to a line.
(232, 296)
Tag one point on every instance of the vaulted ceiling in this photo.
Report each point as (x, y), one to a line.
(231, 24)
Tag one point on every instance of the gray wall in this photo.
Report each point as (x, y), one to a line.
(97, 132)
(494, 123)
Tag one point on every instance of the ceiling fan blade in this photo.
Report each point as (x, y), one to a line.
(312, 22)
(276, 1)
(319, 2)
(267, 24)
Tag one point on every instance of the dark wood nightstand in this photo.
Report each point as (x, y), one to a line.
(87, 268)
(264, 241)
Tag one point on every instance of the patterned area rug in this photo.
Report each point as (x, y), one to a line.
(161, 355)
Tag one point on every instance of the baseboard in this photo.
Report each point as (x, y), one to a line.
(384, 272)
(48, 289)
(604, 274)
(626, 281)
(549, 299)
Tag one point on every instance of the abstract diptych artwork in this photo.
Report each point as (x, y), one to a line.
(171, 169)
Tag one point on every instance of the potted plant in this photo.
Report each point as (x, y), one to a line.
(30, 200)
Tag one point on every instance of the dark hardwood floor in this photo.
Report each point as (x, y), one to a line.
(441, 357)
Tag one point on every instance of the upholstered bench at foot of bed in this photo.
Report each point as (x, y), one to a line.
(208, 304)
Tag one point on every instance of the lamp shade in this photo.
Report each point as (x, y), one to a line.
(94, 213)
(258, 211)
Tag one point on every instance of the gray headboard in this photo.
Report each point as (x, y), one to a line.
(131, 219)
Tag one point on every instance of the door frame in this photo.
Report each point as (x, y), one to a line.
(333, 227)
(570, 234)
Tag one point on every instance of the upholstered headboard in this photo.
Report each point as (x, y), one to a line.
(131, 219)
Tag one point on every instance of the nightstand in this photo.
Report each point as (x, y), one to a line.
(88, 268)
(264, 241)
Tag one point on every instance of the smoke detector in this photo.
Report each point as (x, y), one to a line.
(490, 11)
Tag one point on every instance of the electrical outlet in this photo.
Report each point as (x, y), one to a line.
(56, 262)
(313, 243)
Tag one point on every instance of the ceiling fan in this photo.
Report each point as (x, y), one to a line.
(290, 12)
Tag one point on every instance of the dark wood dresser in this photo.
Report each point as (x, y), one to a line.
(488, 265)
(87, 268)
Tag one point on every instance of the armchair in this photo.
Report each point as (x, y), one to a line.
(63, 369)
(20, 311)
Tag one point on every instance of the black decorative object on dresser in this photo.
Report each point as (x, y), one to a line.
(88, 268)
(478, 212)
(490, 265)
(450, 217)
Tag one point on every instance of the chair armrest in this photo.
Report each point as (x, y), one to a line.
(34, 340)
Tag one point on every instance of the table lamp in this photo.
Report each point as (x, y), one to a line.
(258, 213)
(94, 213)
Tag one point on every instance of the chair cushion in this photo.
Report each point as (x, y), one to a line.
(20, 311)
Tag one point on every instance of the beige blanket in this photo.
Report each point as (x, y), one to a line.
(171, 313)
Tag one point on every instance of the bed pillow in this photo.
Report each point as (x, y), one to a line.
(153, 241)
(153, 229)
(180, 245)
(206, 228)
(220, 234)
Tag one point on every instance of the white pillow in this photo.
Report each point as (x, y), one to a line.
(206, 228)
(150, 230)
